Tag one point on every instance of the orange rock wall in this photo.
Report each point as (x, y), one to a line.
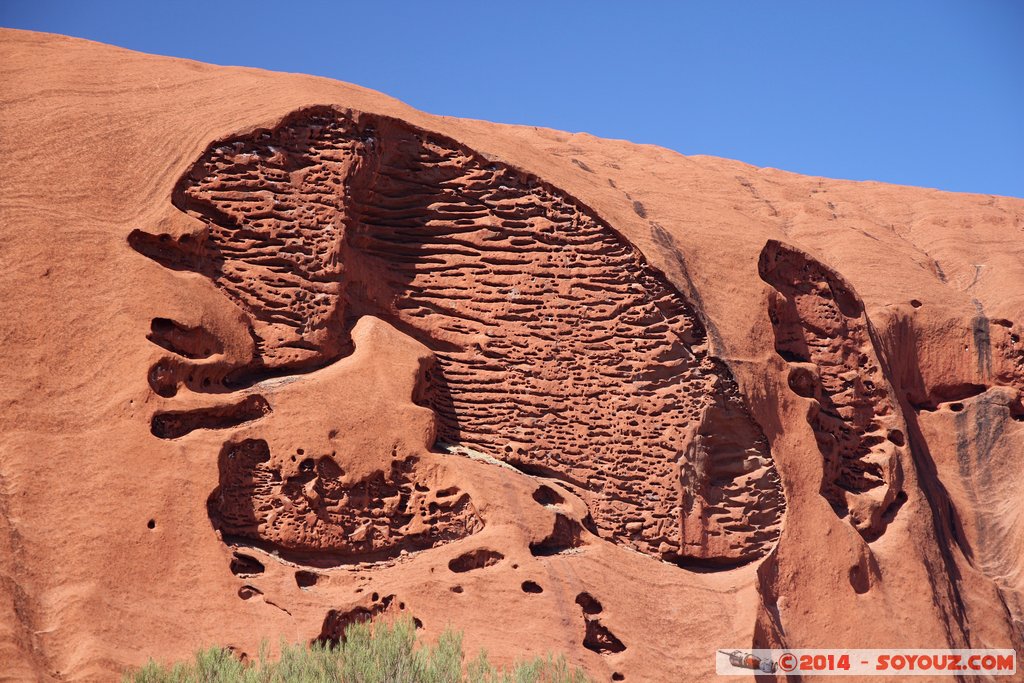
(281, 353)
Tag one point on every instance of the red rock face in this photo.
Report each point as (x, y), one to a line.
(821, 330)
(557, 348)
(285, 354)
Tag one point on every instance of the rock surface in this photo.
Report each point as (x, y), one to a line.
(280, 353)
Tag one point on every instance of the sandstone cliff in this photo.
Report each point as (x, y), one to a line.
(280, 351)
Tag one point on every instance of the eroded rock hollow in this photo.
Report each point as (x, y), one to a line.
(556, 347)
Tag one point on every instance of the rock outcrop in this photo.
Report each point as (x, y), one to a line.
(282, 354)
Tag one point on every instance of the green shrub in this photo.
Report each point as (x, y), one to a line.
(371, 653)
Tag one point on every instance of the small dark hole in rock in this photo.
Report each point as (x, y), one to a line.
(600, 639)
(247, 592)
(475, 559)
(589, 603)
(896, 436)
(545, 495)
(790, 356)
(375, 597)
(564, 535)
(456, 589)
(915, 303)
(956, 407)
(161, 325)
(305, 579)
(532, 587)
(244, 564)
(151, 524)
(859, 580)
(618, 677)
(802, 381)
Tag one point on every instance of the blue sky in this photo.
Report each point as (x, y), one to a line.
(924, 93)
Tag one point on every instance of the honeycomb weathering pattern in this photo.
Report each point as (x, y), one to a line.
(313, 518)
(558, 348)
(821, 329)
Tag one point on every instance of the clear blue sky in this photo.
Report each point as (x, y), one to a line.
(916, 92)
